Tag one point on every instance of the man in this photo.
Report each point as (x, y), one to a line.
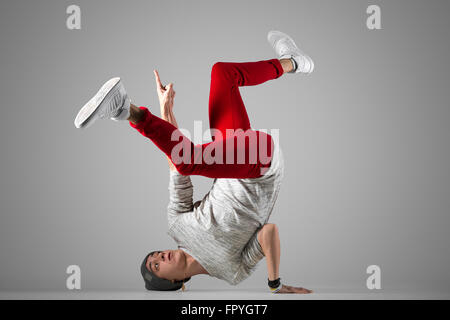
(226, 233)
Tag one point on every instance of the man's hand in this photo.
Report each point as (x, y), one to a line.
(166, 94)
(290, 289)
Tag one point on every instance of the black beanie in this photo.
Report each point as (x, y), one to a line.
(153, 282)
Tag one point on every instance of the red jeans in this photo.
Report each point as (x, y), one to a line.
(246, 153)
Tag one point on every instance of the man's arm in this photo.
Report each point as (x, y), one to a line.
(166, 95)
(167, 114)
(269, 239)
(180, 187)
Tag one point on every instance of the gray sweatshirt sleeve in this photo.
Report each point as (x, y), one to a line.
(180, 194)
(251, 254)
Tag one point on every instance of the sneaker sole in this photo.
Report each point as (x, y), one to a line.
(86, 115)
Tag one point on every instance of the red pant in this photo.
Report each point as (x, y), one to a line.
(226, 111)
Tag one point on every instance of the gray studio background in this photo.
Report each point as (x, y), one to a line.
(365, 137)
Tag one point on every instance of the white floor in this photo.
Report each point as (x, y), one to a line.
(198, 294)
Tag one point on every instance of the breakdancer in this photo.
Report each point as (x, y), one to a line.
(227, 233)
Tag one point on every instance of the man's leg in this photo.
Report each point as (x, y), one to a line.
(226, 108)
(287, 65)
(136, 114)
(215, 103)
(239, 156)
(245, 154)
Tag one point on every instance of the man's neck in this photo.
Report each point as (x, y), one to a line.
(193, 266)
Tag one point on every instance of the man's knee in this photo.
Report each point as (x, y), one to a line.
(217, 67)
(221, 70)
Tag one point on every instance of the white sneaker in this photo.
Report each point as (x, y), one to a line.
(286, 48)
(111, 101)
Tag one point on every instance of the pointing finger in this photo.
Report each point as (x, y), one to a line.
(158, 80)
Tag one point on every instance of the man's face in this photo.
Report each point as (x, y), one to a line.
(167, 264)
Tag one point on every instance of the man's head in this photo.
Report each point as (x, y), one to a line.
(164, 270)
